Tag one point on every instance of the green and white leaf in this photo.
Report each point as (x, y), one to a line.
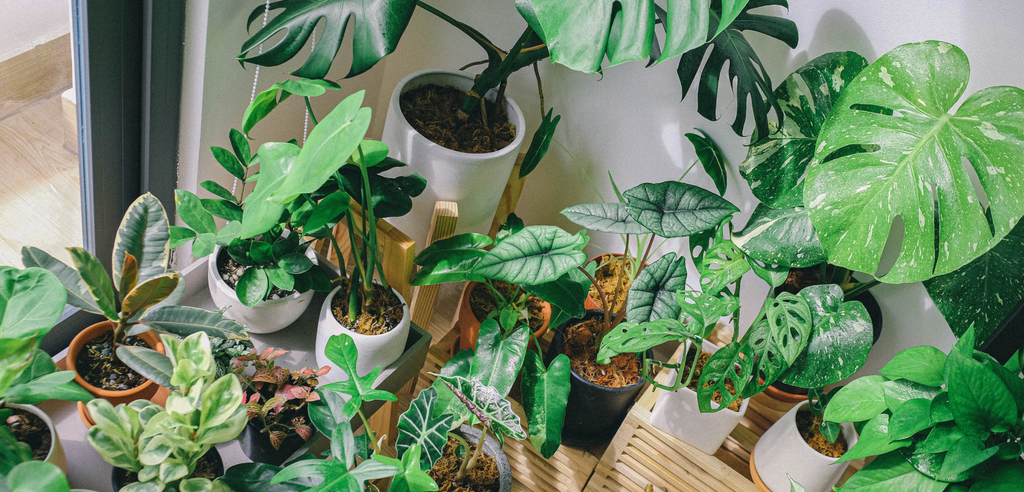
(186, 320)
(636, 338)
(533, 255)
(145, 234)
(613, 218)
(781, 237)
(417, 428)
(487, 402)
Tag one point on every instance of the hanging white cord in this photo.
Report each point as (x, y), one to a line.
(266, 12)
(305, 120)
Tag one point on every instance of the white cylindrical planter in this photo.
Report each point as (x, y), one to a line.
(781, 451)
(474, 181)
(374, 350)
(55, 455)
(266, 316)
(676, 413)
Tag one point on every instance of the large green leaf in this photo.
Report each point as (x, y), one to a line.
(745, 68)
(858, 401)
(985, 290)
(711, 157)
(186, 320)
(674, 209)
(497, 359)
(488, 406)
(854, 199)
(567, 294)
(839, 342)
(891, 472)
(96, 281)
(37, 476)
(31, 302)
(256, 477)
(192, 212)
(15, 357)
(145, 234)
(147, 294)
(149, 363)
(873, 440)
(979, 399)
(776, 164)
(341, 350)
(416, 427)
(412, 478)
(604, 217)
(545, 393)
(451, 260)
(922, 364)
(261, 213)
(635, 338)
(77, 293)
(533, 255)
(781, 237)
(652, 296)
(378, 27)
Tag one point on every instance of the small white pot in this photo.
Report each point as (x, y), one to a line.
(266, 316)
(56, 453)
(782, 451)
(474, 181)
(374, 350)
(676, 413)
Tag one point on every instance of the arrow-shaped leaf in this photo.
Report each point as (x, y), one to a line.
(545, 393)
(653, 293)
(674, 209)
(534, 255)
(487, 405)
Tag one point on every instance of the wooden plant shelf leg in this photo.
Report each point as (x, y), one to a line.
(442, 226)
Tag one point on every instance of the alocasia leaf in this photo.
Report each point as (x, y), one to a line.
(652, 296)
(855, 198)
(533, 255)
(498, 358)
(780, 237)
(545, 393)
(540, 143)
(613, 218)
(417, 429)
(484, 403)
(673, 209)
(711, 157)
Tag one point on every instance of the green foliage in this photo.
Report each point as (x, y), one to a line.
(673, 209)
(486, 405)
(652, 296)
(612, 218)
(540, 143)
(342, 352)
(498, 358)
(781, 237)
(533, 255)
(37, 476)
(31, 302)
(711, 157)
(417, 428)
(545, 393)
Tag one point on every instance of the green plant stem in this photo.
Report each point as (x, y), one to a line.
(604, 298)
(309, 108)
(736, 319)
(860, 288)
(471, 462)
(823, 272)
(499, 300)
(371, 233)
(366, 427)
(687, 171)
(356, 271)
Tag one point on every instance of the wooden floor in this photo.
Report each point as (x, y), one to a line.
(40, 201)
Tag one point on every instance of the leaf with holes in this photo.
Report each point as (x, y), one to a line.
(636, 338)
(985, 290)
(674, 209)
(722, 265)
(774, 275)
(705, 309)
(790, 323)
(733, 362)
(781, 237)
(653, 293)
(533, 255)
(854, 199)
(711, 157)
(612, 218)
(487, 405)
(416, 427)
(776, 164)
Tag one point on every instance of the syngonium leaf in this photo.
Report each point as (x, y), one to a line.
(341, 351)
(411, 478)
(31, 302)
(673, 209)
(484, 403)
(145, 234)
(855, 198)
(533, 255)
(498, 358)
(613, 218)
(984, 291)
(776, 164)
(837, 345)
(781, 237)
(711, 157)
(652, 296)
(378, 27)
(416, 427)
(633, 338)
(545, 393)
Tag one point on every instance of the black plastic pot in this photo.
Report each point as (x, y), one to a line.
(256, 445)
(593, 412)
(118, 476)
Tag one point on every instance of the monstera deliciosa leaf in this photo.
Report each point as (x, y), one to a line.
(780, 237)
(378, 27)
(854, 198)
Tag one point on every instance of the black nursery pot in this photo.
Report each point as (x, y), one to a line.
(119, 475)
(256, 445)
(593, 412)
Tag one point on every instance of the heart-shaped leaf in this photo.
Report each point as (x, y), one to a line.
(545, 393)
(891, 472)
(874, 440)
(488, 406)
(858, 401)
(612, 218)
(498, 359)
(31, 302)
(652, 296)
(674, 209)
(416, 428)
(533, 255)
(781, 237)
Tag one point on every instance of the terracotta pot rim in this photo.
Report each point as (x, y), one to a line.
(91, 333)
(784, 396)
(545, 311)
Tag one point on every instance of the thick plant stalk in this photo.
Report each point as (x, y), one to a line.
(471, 462)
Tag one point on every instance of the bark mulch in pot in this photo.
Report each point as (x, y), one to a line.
(578, 345)
(431, 110)
(28, 428)
(809, 426)
(612, 278)
(482, 478)
(381, 316)
(481, 301)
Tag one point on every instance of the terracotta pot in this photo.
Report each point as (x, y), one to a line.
(55, 455)
(469, 326)
(590, 302)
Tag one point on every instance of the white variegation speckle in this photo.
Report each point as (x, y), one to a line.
(755, 184)
(1001, 113)
(837, 79)
(986, 103)
(884, 75)
(920, 218)
(817, 201)
(863, 79)
(821, 146)
(943, 47)
(989, 130)
(995, 170)
(862, 188)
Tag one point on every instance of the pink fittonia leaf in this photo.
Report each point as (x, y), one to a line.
(274, 403)
(253, 409)
(277, 438)
(304, 431)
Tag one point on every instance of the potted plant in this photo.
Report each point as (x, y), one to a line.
(37, 475)
(164, 447)
(276, 399)
(936, 421)
(106, 356)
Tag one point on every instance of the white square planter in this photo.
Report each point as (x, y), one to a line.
(781, 451)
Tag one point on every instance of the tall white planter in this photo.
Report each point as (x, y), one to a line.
(55, 455)
(374, 350)
(266, 316)
(782, 451)
(474, 181)
(676, 413)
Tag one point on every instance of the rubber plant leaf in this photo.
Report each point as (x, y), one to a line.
(341, 350)
(711, 158)
(783, 237)
(96, 281)
(652, 296)
(31, 302)
(613, 218)
(539, 144)
(745, 69)
(148, 362)
(533, 255)
(145, 234)
(673, 209)
(418, 429)
(74, 287)
(839, 341)
(636, 338)
(776, 164)
(186, 320)
(378, 27)
(985, 290)
(260, 214)
(488, 406)
(147, 294)
(498, 357)
(545, 393)
(855, 198)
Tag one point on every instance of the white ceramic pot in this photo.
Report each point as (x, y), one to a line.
(782, 451)
(474, 181)
(676, 413)
(374, 350)
(266, 316)
(56, 453)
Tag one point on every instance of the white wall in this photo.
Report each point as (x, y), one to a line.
(25, 24)
(631, 122)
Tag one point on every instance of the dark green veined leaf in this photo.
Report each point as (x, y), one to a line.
(261, 213)
(533, 255)
(328, 210)
(96, 281)
(225, 209)
(745, 68)
(510, 226)
(965, 454)
(77, 293)
(545, 393)
(498, 359)
(193, 213)
(711, 157)
(256, 477)
(874, 440)
(837, 345)
(923, 365)
(781, 237)
(186, 320)
(777, 163)
(854, 199)
(704, 310)
(985, 290)
(979, 399)
(378, 27)
(858, 401)
(148, 362)
(228, 160)
(145, 234)
(733, 362)
(940, 438)
(487, 405)
(1005, 477)
(416, 427)
(295, 263)
(341, 350)
(652, 296)
(891, 472)
(261, 252)
(31, 302)
(539, 144)
(722, 265)
(567, 294)
(674, 209)
(612, 218)
(281, 279)
(635, 338)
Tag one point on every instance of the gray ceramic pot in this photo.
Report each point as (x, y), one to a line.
(491, 448)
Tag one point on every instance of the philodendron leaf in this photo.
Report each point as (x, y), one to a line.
(540, 143)
(277, 160)
(498, 359)
(612, 218)
(674, 209)
(31, 302)
(704, 310)
(776, 164)
(774, 275)
(341, 350)
(635, 338)
(790, 323)
(855, 198)
(186, 320)
(839, 341)
(148, 362)
(711, 157)
(545, 393)
(378, 27)
(533, 255)
(985, 290)
(145, 234)
(416, 427)
(412, 478)
(486, 404)
(652, 296)
(780, 237)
